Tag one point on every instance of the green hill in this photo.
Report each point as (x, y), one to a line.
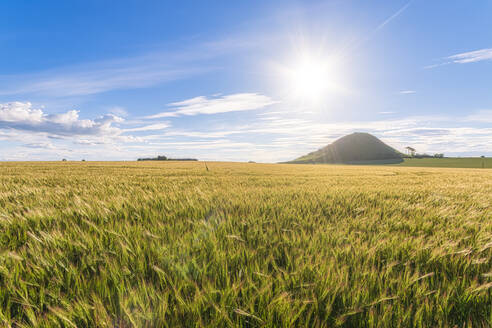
(355, 148)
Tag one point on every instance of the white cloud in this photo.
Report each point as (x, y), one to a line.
(214, 105)
(27, 132)
(430, 134)
(20, 112)
(22, 116)
(407, 92)
(472, 56)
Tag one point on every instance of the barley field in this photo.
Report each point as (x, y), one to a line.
(457, 162)
(172, 244)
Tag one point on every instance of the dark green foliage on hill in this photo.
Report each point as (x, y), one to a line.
(355, 148)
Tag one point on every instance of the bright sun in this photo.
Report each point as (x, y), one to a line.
(310, 78)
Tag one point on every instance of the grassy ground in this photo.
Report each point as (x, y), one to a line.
(167, 244)
(464, 162)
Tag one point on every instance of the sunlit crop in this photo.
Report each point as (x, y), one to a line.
(167, 244)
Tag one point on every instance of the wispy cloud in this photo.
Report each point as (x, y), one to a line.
(407, 92)
(151, 127)
(139, 71)
(472, 56)
(118, 111)
(465, 58)
(93, 80)
(219, 104)
(40, 145)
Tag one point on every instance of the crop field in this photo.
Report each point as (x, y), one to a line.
(172, 244)
(456, 162)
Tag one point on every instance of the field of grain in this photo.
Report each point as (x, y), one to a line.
(170, 244)
(456, 162)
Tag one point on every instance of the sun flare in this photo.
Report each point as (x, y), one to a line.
(310, 78)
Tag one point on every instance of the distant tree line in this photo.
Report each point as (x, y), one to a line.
(412, 153)
(417, 155)
(428, 156)
(164, 158)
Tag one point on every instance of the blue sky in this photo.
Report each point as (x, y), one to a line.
(241, 80)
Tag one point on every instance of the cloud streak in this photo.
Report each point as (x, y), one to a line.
(465, 58)
(215, 105)
(91, 80)
(383, 24)
(151, 127)
(396, 14)
(472, 56)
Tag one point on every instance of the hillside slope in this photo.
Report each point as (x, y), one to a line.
(355, 148)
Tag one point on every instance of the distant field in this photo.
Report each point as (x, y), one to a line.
(464, 162)
(170, 244)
